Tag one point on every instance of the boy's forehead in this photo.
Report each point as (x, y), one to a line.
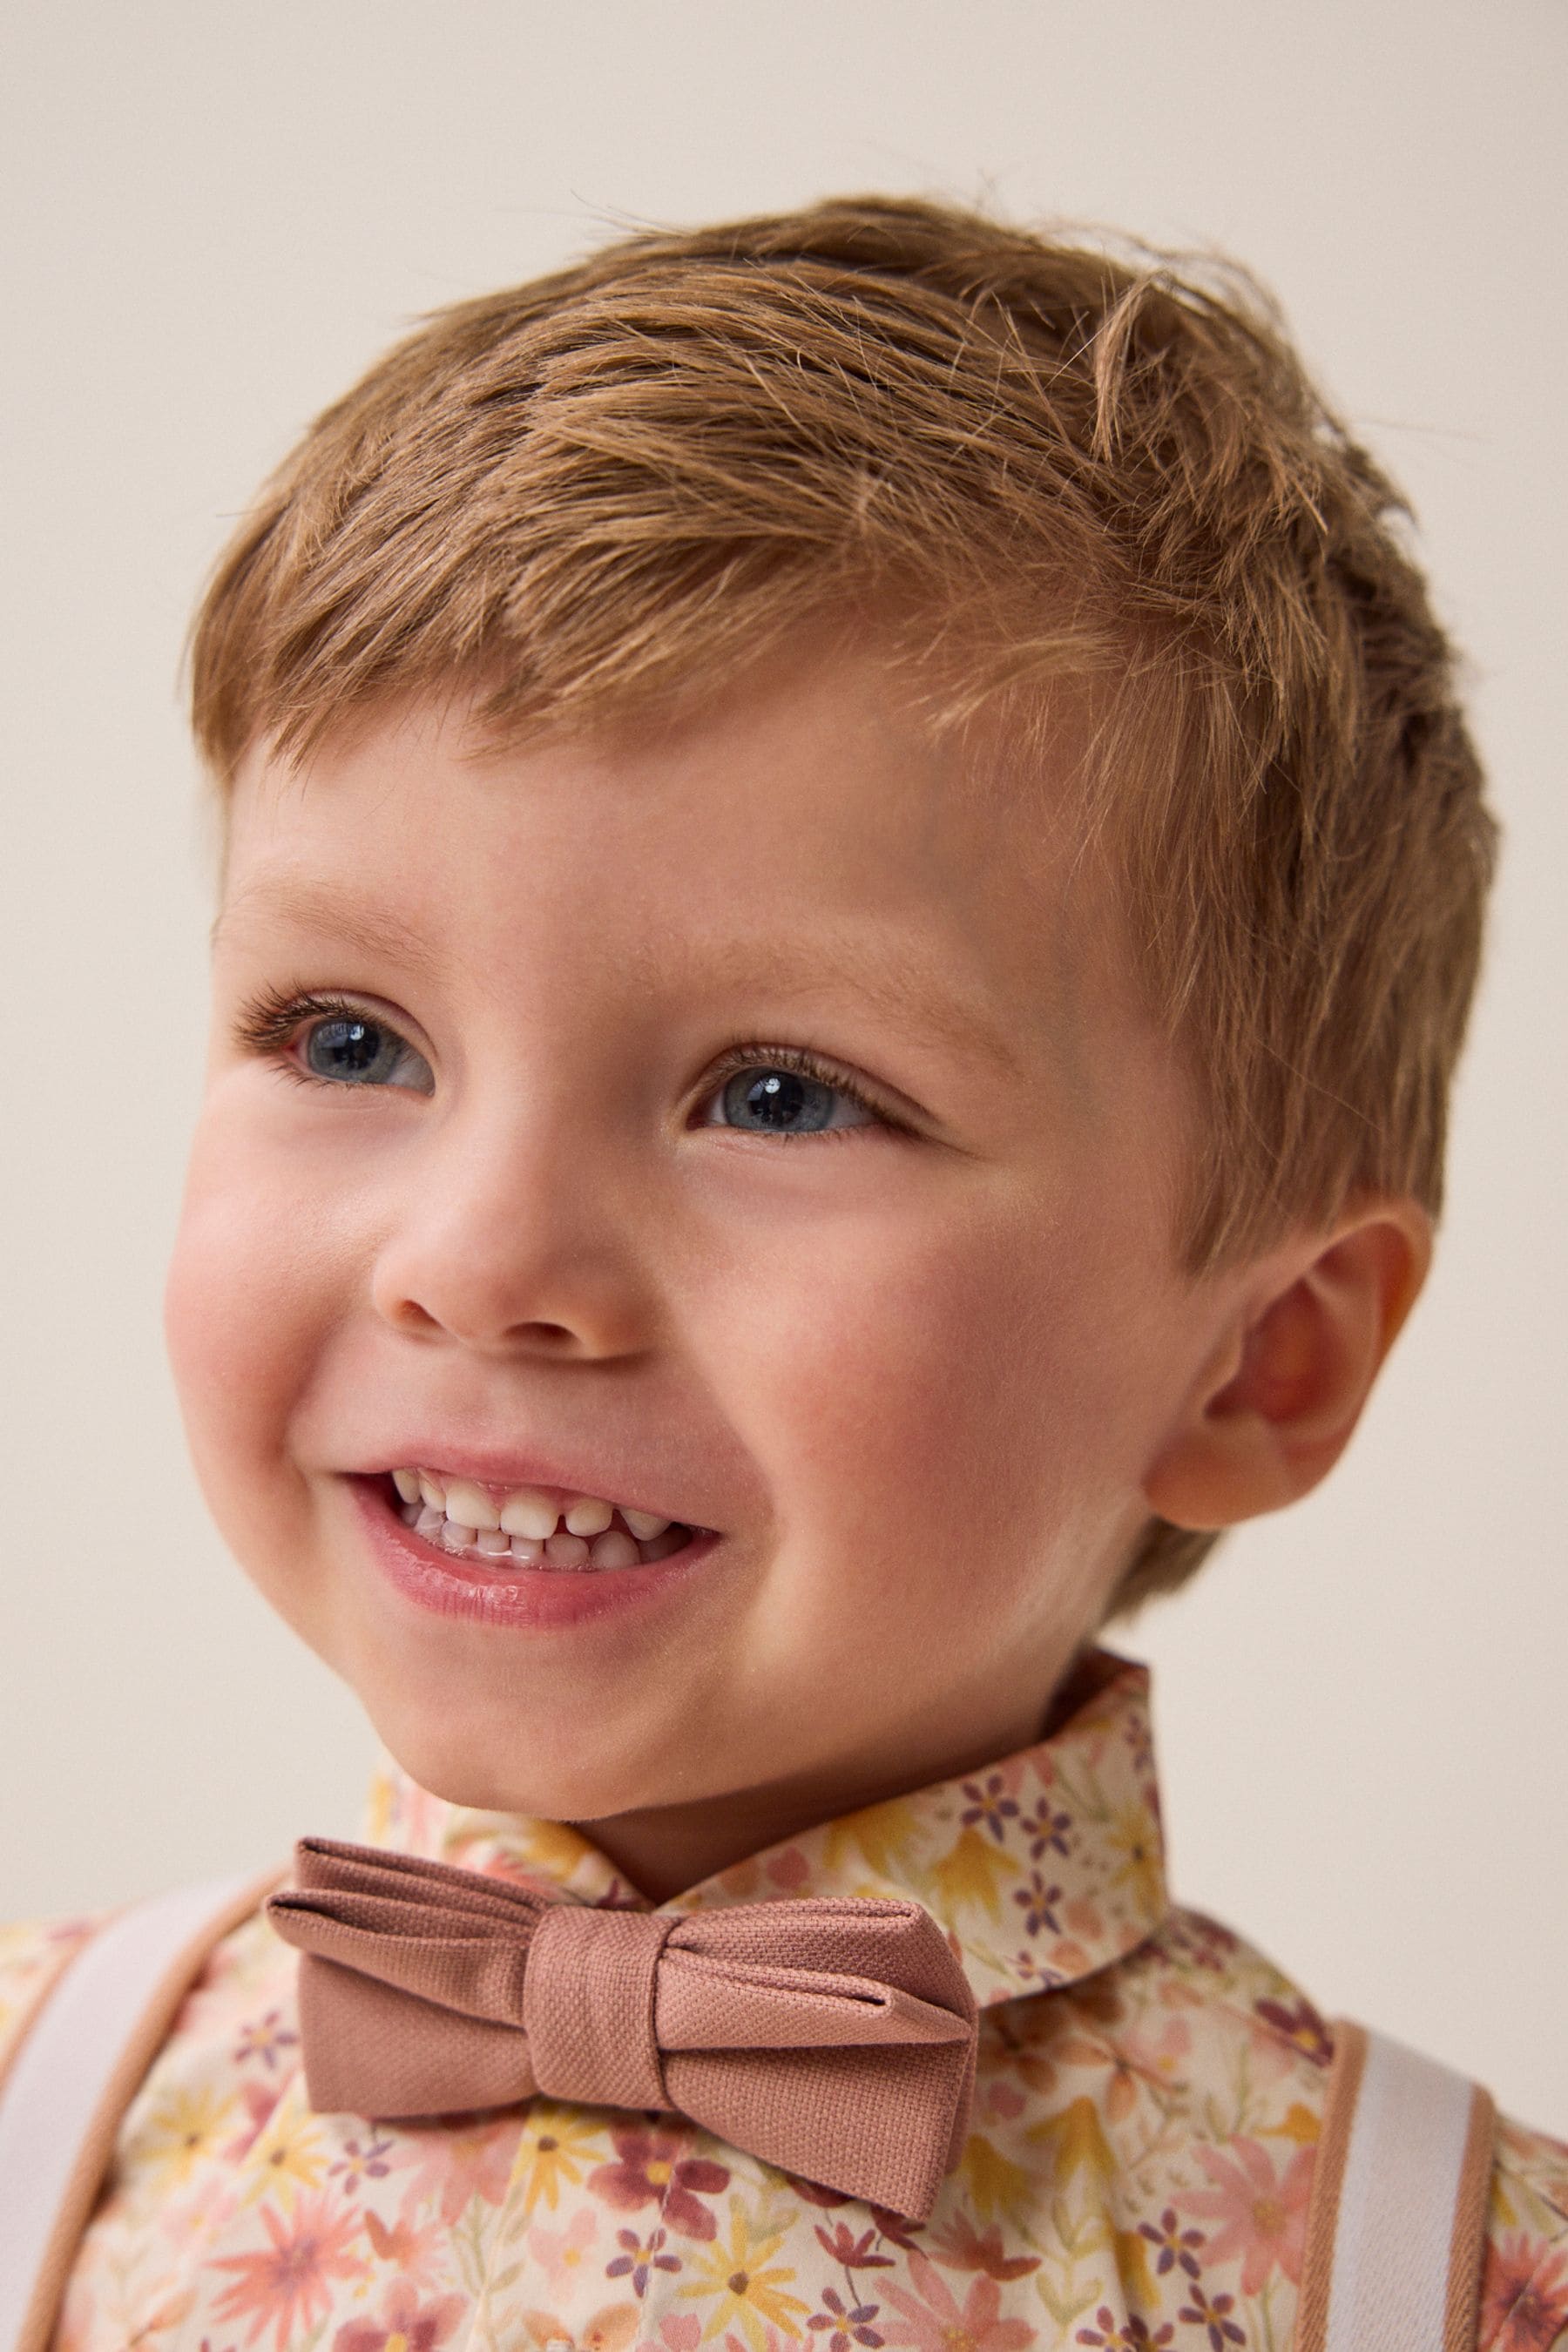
(809, 830)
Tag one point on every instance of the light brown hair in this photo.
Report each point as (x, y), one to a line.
(1033, 458)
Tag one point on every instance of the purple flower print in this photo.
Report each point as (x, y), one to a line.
(1213, 2316)
(639, 2262)
(989, 1804)
(1176, 2245)
(1134, 2337)
(1047, 1829)
(1037, 1900)
(850, 2324)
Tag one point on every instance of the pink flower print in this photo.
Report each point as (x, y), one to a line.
(653, 2170)
(209, 2208)
(1195, 1937)
(811, 2192)
(411, 2253)
(289, 2283)
(561, 2252)
(1156, 2062)
(849, 2252)
(609, 2330)
(457, 2164)
(895, 2229)
(681, 2332)
(934, 2323)
(259, 2098)
(1524, 2297)
(1263, 2215)
(961, 2247)
(402, 2325)
(1084, 1919)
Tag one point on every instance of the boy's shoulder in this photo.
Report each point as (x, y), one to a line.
(33, 1952)
(237, 1954)
(1252, 2066)
(1524, 2293)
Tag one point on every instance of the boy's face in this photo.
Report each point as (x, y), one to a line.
(556, 1214)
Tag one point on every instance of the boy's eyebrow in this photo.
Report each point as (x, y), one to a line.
(297, 898)
(899, 994)
(896, 993)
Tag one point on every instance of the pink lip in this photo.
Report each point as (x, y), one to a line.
(523, 1599)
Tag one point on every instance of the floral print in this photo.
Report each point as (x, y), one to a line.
(1524, 2296)
(650, 2170)
(1263, 2219)
(1136, 2177)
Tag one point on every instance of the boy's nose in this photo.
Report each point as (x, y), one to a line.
(506, 1244)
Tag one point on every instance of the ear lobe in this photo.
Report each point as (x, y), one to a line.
(1286, 1386)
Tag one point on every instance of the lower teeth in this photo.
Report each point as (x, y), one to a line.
(616, 1548)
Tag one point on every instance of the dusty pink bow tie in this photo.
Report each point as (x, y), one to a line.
(835, 2038)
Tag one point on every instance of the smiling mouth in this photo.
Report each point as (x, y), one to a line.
(525, 1529)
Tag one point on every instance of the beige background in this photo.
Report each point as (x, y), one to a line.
(213, 216)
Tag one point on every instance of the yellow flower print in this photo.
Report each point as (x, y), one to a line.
(555, 1849)
(287, 2154)
(884, 1836)
(1076, 2138)
(997, 2185)
(183, 2129)
(749, 2295)
(1132, 1835)
(379, 1809)
(554, 2148)
(973, 1874)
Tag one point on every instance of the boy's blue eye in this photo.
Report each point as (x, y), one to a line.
(767, 1100)
(352, 1048)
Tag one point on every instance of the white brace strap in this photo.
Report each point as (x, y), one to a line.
(1395, 2235)
(78, 2065)
(1397, 2225)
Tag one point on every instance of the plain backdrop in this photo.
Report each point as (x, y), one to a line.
(212, 219)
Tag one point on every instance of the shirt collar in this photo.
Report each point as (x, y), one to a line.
(1041, 1867)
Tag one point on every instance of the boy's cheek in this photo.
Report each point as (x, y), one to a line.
(918, 1399)
(243, 1306)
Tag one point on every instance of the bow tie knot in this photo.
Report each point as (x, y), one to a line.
(832, 2037)
(589, 2005)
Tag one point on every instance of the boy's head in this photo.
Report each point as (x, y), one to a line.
(953, 706)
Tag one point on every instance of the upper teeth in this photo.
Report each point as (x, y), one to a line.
(525, 1511)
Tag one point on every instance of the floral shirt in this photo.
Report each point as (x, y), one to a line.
(1136, 2175)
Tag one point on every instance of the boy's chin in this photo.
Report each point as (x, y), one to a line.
(543, 1771)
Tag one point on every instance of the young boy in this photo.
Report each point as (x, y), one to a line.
(851, 886)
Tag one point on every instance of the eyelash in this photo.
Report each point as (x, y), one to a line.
(266, 1023)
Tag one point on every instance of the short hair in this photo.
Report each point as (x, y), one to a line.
(1038, 458)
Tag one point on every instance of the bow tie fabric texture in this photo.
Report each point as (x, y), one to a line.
(832, 2037)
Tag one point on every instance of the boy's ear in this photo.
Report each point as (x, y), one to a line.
(1280, 1394)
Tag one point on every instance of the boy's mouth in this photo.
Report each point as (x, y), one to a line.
(524, 1528)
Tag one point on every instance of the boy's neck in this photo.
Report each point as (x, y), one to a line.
(665, 1849)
